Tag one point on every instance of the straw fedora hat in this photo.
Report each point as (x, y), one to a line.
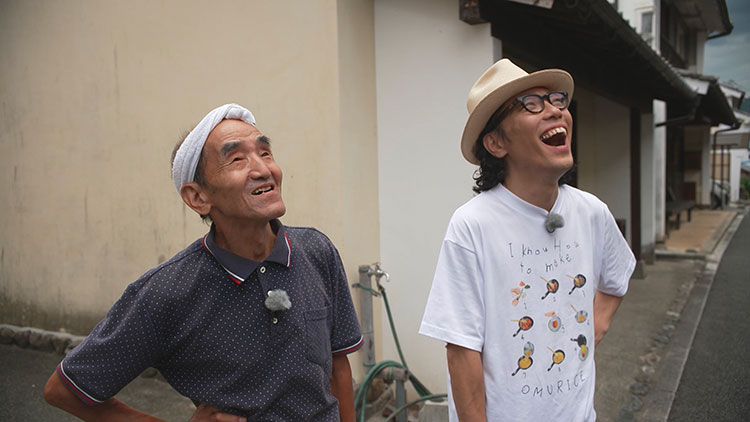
(497, 85)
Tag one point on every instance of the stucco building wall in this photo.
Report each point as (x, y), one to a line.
(604, 152)
(95, 94)
(426, 62)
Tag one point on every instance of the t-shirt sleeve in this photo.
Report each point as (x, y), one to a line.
(116, 351)
(617, 258)
(455, 307)
(346, 336)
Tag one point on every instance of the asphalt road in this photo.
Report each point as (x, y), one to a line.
(23, 373)
(715, 383)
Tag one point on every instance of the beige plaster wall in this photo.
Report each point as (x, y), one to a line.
(358, 183)
(93, 96)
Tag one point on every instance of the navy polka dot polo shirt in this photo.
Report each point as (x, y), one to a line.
(200, 319)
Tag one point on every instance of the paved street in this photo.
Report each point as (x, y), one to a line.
(715, 383)
(629, 346)
(639, 363)
(23, 373)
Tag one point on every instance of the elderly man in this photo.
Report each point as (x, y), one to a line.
(531, 271)
(254, 320)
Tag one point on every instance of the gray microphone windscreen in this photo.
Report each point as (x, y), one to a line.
(553, 221)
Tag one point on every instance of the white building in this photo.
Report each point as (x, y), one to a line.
(426, 61)
(730, 146)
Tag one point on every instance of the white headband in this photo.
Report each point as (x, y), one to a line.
(186, 159)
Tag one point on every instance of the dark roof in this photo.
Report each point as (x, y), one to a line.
(713, 107)
(592, 41)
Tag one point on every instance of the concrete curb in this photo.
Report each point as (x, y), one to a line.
(643, 385)
(50, 341)
(34, 338)
(669, 362)
(680, 255)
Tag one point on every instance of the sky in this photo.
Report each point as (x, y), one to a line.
(728, 57)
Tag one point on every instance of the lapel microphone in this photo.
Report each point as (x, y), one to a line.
(553, 221)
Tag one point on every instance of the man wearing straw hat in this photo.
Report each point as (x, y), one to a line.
(254, 320)
(531, 271)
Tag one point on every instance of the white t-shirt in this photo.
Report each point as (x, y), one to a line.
(523, 297)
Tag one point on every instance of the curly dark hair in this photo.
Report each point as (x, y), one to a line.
(491, 169)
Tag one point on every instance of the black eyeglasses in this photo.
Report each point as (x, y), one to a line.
(534, 103)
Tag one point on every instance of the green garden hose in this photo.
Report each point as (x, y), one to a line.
(360, 399)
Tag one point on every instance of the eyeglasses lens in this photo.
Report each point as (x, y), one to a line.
(558, 99)
(535, 103)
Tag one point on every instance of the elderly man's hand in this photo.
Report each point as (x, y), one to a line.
(206, 413)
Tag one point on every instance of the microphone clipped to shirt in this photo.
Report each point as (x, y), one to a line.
(278, 300)
(553, 222)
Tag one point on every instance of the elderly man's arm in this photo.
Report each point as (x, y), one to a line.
(605, 307)
(56, 394)
(341, 387)
(467, 382)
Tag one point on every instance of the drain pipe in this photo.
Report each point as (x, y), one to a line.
(365, 312)
(682, 120)
(677, 121)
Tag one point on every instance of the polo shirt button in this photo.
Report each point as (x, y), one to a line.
(275, 320)
(262, 270)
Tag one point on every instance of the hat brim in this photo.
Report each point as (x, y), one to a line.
(552, 79)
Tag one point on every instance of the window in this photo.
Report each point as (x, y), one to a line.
(647, 19)
(647, 26)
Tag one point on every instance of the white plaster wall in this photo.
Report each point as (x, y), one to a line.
(738, 155)
(660, 169)
(627, 9)
(700, 51)
(648, 183)
(704, 188)
(656, 45)
(631, 11)
(653, 149)
(604, 151)
(426, 61)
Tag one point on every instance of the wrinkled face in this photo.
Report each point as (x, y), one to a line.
(244, 181)
(537, 144)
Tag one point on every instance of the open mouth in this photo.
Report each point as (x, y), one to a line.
(555, 137)
(262, 190)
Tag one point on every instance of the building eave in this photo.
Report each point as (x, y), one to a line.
(592, 41)
(724, 16)
(713, 106)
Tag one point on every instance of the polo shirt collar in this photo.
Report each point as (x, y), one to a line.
(240, 268)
